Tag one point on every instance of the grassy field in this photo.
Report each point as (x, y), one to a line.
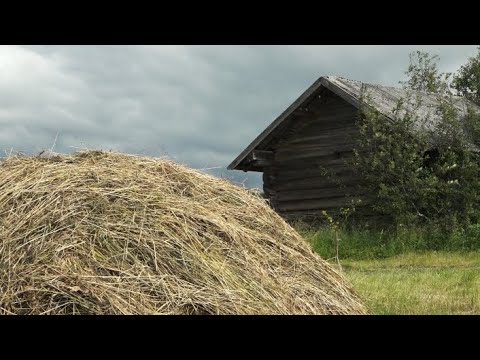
(404, 272)
(427, 283)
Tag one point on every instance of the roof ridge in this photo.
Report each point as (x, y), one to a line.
(334, 77)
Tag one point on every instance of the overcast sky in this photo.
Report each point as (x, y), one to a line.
(201, 105)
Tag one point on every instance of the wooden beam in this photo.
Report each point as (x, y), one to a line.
(313, 204)
(262, 155)
(261, 158)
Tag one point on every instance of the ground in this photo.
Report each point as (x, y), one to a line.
(418, 283)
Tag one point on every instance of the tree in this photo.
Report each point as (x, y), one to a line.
(467, 81)
(423, 74)
(426, 176)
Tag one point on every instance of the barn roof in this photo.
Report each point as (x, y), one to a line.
(382, 98)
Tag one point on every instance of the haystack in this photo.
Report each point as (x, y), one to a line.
(106, 233)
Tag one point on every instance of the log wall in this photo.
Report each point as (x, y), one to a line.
(308, 165)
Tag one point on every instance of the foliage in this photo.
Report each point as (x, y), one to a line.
(423, 74)
(467, 81)
(416, 172)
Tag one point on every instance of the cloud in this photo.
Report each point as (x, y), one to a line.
(201, 105)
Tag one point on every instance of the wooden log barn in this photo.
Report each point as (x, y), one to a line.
(314, 136)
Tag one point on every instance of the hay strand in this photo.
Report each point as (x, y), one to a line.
(106, 233)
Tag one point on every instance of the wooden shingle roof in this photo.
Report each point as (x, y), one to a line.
(382, 98)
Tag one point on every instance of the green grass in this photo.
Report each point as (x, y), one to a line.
(403, 271)
(369, 244)
(428, 283)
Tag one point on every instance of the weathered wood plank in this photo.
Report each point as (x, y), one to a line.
(326, 114)
(292, 174)
(315, 155)
(269, 192)
(321, 152)
(309, 166)
(331, 122)
(336, 115)
(333, 157)
(320, 135)
(260, 159)
(336, 156)
(268, 177)
(344, 143)
(316, 182)
(262, 155)
(315, 204)
(312, 140)
(299, 169)
(334, 124)
(315, 193)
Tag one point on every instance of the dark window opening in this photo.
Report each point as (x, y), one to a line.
(430, 157)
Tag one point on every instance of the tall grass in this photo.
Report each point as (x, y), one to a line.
(367, 243)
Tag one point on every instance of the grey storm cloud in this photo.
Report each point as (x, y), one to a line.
(200, 105)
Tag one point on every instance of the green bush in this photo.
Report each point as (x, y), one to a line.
(418, 172)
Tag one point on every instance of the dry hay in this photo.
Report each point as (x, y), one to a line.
(107, 233)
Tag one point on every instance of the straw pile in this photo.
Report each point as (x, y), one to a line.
(106, 233)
